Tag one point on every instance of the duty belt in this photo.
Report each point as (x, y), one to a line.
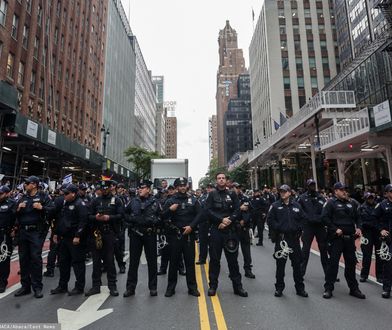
(105, 227)
(29, 227)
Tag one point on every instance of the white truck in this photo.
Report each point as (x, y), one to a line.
(168, 169)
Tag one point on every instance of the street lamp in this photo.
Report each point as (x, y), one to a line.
(105, 132)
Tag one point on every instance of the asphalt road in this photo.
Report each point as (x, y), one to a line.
(261, 310)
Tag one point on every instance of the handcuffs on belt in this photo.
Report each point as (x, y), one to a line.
(4, 252)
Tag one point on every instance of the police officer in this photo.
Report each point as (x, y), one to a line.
(143, 217)
(181, 210)
(285, 221)
(370, 233)
(119, 247)
(340, 215)
(258, 211)
(243, 229)
(69, 232)
(7, 221)
(82, 193)
(165, 251)
(106, 212)
(53, 246)
(312, 203)
(31, 212)
(204, 227)
(383, 214)
(223, 209)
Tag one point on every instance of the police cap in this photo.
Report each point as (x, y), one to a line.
(339, 186)
(144, 183)
(388, 188)
(83, 186)
(32, 179)
(181, 181)
(71, 188)
(310, 182)
(284, 187)
(4, 189)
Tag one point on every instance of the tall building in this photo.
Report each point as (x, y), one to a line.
(159, 84)
(119, 87)
(145, 103)
(293, 54)
(160, 129)
(53, 53)
(231, 65)
(238, 121)
(171, 129)
(358, 23)
(213, 137)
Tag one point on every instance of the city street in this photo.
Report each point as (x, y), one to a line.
(261, 310)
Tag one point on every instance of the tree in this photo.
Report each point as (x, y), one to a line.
(213, 169)
(141, 160)
(241, 175)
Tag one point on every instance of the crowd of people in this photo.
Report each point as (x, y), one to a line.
(223, 217)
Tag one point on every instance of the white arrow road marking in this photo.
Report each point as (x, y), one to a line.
(86, 314)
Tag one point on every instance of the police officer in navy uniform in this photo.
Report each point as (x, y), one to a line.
(31, 212)
(204, 227)
(143, 217)
(243, 229)
(371, 233)
(182, 210)
(223, 209)
(312, 203)
(70, 233)
(83, 195)
(106, 212)
(285, 221)
(383, 215)
(340, 215)
(258, 212)
(7, 221)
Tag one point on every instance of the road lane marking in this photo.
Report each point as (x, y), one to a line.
(203, 312)
(219, 317)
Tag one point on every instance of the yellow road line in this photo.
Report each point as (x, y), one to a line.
(204, 319)
(219, 317)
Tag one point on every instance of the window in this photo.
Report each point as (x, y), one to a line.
(283, 45)
(10, 65)
(297, 45)
(325, 63)
(323, 45)
(310, 45)
(307, 13)
(32, 82)
(313, 81)
(282, 29)
(28, 7)
(3, 11)
(14, 28)
(300, 82)
(320, 13)
(56, 35)
(321, 28)
(41, 88)
(286, 82)
(281, 13)
(36, 47)
(21, 73)
(326, 79)
(25, 36)
(312, 63)
(39, 15)
(298, 63)
(285, 63)
(295, 29)
(1, 48)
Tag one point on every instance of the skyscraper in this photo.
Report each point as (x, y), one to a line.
(213, 137)
(159, 84)
(231, 65)
(171, 129)
(292, 56)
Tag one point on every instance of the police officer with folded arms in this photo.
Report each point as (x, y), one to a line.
(106, 212)
(7, 221)
(143, 217)
(70, 232)
(243, 229)
(340, 215)
(383, 215)
(31, 212)
(371, 235)
(182, 210)
(312, 203)
(285, 221)
(223, 209)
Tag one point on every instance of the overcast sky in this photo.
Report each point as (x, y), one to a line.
(178, 39)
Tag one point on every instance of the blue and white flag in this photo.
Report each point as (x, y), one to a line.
(67, 179)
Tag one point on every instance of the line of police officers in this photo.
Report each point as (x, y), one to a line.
(97, 225)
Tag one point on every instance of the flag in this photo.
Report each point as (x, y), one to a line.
(276, 125)
(105, 177)
(283, 118)
(67, 179)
